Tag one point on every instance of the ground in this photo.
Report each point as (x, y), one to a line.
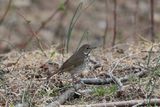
(23, 76)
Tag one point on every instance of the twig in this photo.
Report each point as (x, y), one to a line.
(106, 28)
(116, 80)
(115, 66)
(65, 96)
(152, 20)
(151, 51)
(44, 23)
(115, 22)
(137, 105)
(17, 61)
(150, 87)
(33, 33)
(121, 103)
(136, 18)
(99, 81)
(96, 81)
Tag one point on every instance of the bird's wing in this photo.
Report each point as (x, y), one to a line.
(72, 62)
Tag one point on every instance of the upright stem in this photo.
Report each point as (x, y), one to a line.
(106, 28)
(152, 20)
(115, 22)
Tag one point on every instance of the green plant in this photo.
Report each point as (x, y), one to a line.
(26, 95)
(52, 53)
(85, 34)
(48, 92)
(26, 98)
(61, 7)
(101, 91)
(149, 56)
(72, 24)
(11, 104)
(157, 72)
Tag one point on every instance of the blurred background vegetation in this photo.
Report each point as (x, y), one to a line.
(34, 24)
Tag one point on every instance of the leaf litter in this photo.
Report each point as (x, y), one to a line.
(23, 75)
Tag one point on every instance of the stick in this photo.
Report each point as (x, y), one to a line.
(121, 103)
(99, 81)
(116, 81)
(65, 96)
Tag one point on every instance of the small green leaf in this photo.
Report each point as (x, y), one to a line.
(101, 91)
(157, 72)
(61, 7)
(11, 105)
(52, 54)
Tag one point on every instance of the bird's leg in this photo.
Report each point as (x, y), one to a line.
(73, 78)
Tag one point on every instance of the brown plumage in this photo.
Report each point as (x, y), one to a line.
(77, 62)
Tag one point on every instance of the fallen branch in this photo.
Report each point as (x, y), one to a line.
(116, 81)
(129, 103)
(99, 81)
(96, 81)
(138, 105)
(65, 96)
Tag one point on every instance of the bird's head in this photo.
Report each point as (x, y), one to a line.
(86, 49)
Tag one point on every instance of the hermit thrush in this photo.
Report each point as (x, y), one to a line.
(77, 62)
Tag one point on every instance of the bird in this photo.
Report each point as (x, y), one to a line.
(76, 63)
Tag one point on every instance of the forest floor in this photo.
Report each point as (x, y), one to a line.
(23, 76)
